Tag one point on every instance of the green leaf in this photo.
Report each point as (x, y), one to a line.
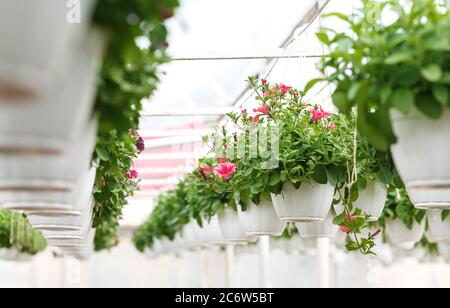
(440, 93)
(323, 37)
(432, 72)
(341, 102)
(320, 174)
(398, 58)
(429, 106)
(102, 153)
(275, 178)
(353, 91)
(312, 83)
(403, 100)
(386, 175)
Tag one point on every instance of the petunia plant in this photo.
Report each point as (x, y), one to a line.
(394, 56)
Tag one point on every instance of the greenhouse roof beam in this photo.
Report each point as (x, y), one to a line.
(279, 53)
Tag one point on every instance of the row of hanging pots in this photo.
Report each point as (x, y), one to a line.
(29, 67)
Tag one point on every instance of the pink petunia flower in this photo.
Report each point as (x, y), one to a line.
(319, 114)
(255, 119)
(344, 229)
(140, 145)
(225, 170)
(132, 174)
(263, 110)
(204, 170)
(284, 89)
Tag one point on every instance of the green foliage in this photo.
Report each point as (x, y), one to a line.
(168, 218)
(129, 75)
(17, 233)
(310, 149)
(399, 206)
(378, 67)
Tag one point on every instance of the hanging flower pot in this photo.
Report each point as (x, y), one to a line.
(371, 200)
(428, 183)
(444, 250)
(311, 202)
(58, 230)
(59, 222)
(399, 235)
(231, 229)
(318, 229)
(213, 231)
(52, 124)
(261, 220)
(68, 242)
(37, 39)
(37, 183)
(189, 237)
(201, 237)
(439, 229)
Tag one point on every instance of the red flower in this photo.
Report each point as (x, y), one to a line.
(256, 119)
(225, 170)
(284, 89)
(244, 111)
(140, 145)
(263, 110)
(344, 229)
(264, 82)
(319, 114)
(204, 170)
(132, 174)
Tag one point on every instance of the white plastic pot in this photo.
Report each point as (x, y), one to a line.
(372, 200)
(439, 231)
(201, 237)
(444, 250)
(318, 229)
(53, 123)
(70, 242)
(36, 41)
(79, 200)
(59, 230)
(261, 220)
(64, 222)
(36, 183)
(312, 202)
(189, 237)
(398, 234)
(422, 158)
(213, 232)
(231, 228)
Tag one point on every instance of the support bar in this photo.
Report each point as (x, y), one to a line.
(241, 55)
